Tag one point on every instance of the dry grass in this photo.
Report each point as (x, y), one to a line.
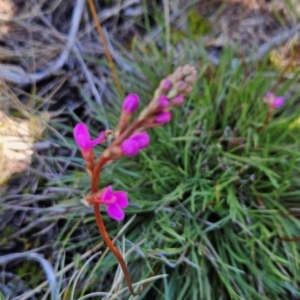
(51, 58)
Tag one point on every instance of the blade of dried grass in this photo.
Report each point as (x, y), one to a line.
(48, 269)
(106, 50)
(18, 75)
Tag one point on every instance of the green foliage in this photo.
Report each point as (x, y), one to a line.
(213, 197)
(197, 24)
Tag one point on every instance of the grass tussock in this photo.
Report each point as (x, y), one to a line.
(215, 196)
(213, 201)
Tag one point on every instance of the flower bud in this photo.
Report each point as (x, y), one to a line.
(142, 138)
(166, 84)
(131, 103)
(163, 102)
(163, 117)
(273, 101)
(178, 100)
(130, 147)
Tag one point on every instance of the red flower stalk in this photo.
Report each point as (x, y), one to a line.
(129, 140)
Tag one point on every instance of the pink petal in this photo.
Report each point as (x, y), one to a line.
(166, 84)
(82, 136)
(131, 103)
(107, 195)
(178, 100)
(115, 212)
(278, 102)
(130, 147)
(163, 101)
(121, 198)
(142, 138)
(98, 140)
(163, 117)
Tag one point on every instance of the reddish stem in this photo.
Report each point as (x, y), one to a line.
(112, 247)
(94, 186)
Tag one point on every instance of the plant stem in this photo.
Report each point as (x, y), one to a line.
(267, 120)
(94, 186)
(112, 247)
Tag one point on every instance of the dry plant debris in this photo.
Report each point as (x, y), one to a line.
(281, 56)
(244, 24)
(16, 139)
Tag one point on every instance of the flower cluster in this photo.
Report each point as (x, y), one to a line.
(273, 101)
(131, 137)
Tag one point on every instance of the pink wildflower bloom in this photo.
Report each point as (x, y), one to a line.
(163, 117)
(166, 85)
(142, 138)
(130, 147)
(163, 102)
(178, 100)
(278, 102)
(131, 103)
(274, 101)
(83, 138)
(135, 143)
(116, 202)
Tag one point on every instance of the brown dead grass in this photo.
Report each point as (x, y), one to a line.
(32, 36)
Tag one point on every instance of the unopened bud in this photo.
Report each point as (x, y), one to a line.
(178, 100)
(163, 117)
(166, 84)
(130, 147)
(163, 102)
(131, 103)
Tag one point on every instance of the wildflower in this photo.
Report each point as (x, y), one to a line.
(166, 84)
(163, 117)
(135, 143)
(83, 138)
(273, 101)
(178, 100)
(130, 147)
(163, 102)
(116, 201)
(131, 103)
(142, 138)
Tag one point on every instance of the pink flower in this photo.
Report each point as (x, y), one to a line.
(163, 117)
(83, 138)
(273, 101)
(135, 143)
(142, 138)
(130, 147)
(131, 103)
(278, 102)
(116, 202)
(166, 85)
(163, 102)
(178, 100)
